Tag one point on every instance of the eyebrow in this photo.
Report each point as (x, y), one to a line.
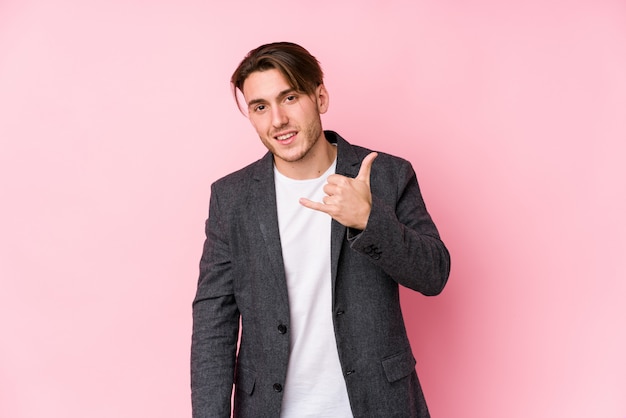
(281, 94)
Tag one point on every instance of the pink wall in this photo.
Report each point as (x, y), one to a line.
(115, 116)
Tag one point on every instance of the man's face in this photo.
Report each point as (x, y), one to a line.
(287, 121)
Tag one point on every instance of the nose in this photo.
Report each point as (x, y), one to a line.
(279, 117)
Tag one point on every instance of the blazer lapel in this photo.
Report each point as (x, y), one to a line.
(263, 205)
(347, 165)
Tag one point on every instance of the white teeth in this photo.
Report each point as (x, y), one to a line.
(286, 136)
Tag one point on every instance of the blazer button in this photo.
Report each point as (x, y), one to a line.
(282, 328)
(340, 312)
(278, 387)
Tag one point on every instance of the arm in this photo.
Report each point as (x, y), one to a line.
(388, 222)
(400, 236)
(215, 324)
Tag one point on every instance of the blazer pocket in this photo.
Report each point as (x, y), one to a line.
(245, 380)
(399, 365)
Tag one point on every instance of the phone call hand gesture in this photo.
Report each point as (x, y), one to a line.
(348, 200)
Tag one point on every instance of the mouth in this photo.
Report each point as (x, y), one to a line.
(286, 138)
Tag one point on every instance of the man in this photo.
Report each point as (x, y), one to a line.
(305, 248)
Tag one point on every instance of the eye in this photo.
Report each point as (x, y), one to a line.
(291, 98)
(259, 108)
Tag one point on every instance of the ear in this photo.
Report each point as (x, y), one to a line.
(321, 98)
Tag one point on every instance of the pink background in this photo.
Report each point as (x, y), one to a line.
(115, 117)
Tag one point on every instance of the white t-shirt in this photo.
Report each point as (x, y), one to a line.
(315, 386)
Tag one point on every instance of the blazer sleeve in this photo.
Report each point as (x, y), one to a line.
(400, 236)
(215, 321)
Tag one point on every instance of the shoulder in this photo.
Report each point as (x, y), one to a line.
(354, 154)
(385, 160)
(242, 177)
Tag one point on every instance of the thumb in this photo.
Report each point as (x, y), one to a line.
(366, 167)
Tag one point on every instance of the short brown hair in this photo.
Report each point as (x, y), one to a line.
(297, 65)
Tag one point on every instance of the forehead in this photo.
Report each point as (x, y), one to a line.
(264, 85)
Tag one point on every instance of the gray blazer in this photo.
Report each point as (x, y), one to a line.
(242, 280)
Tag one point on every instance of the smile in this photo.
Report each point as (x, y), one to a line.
(285, 136)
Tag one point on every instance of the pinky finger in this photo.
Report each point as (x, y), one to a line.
(313, 205)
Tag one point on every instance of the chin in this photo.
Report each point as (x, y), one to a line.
(292, 157)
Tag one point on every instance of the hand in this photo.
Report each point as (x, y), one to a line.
(348, 200)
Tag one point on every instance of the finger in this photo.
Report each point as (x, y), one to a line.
(366, 167)
(330, 189)
(335, 179)
(314, 205)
